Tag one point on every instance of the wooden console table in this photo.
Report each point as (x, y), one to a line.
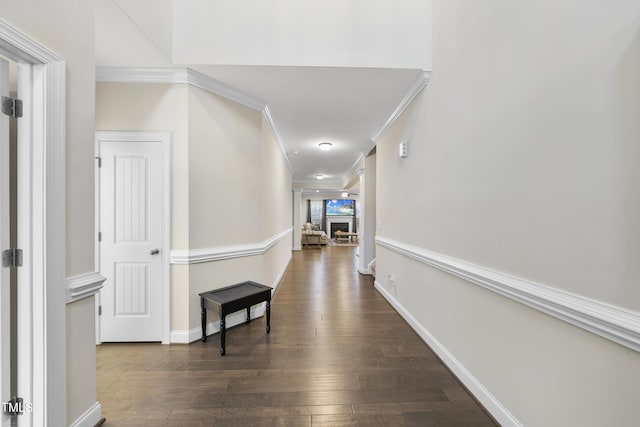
(231, 299)
(343, 235)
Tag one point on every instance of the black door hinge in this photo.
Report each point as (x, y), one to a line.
(12, 258)
(12, 107)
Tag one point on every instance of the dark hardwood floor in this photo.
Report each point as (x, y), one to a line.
(338, 355)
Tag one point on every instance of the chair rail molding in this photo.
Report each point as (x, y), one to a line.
(84, 285)
(234, 319)
(614, 323)
(195, 256)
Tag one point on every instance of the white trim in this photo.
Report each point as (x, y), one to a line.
(195, 79)
(365, 271)
(177, 76)
(420, 83)
(90, 418)
(195, 256)
(84, 285)
(163, 138)
(484, 396)
(212, 85)
(213, 327)
(42, 371)
(614, 323)
(353, 170)
(141, 75)
(266, 113)
(278, 279)
(21, 47)
(195, 334)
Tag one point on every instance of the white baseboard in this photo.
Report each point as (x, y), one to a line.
(280, 275)
(234, 319)
(366, 271)
(90, 418)
(484, 396)
(213, 327)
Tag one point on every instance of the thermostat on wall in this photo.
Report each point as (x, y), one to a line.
(402, 149)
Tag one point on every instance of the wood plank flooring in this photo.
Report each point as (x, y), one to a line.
(338, 355)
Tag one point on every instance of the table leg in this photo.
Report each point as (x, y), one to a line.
(268, 316)
(223, 333)
(248, 314)
(203, 318)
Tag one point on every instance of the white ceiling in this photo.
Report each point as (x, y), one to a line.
(347, 106)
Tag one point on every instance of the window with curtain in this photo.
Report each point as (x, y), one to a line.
(316, 211)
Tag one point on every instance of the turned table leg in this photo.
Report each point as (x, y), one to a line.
(268, 316)
(203, 319)
(223, 333)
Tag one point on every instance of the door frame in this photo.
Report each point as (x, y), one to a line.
(41, 206)
(164, 138)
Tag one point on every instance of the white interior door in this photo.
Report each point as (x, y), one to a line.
(5, 307)
(131, 253)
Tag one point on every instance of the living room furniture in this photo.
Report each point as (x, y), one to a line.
(231, 299)
(346, 236)
(312, 235)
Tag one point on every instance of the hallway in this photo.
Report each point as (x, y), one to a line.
(338, 354)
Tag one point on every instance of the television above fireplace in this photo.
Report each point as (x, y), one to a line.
(341, 207)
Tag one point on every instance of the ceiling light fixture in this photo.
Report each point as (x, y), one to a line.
(319, 176)
(325, 146)
(345, 194)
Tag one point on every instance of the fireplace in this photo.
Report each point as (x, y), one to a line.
(339, 226)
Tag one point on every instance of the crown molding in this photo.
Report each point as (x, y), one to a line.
(266, 113)
(199, 80)
(614, 323)
(196, 256)
(353, 170)
(141, 75)
(419, 84)
(176, 76)
(195, 79)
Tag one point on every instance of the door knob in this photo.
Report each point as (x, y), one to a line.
(154, 252)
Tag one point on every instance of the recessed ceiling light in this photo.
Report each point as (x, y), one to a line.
(319, 176)
(325, 146)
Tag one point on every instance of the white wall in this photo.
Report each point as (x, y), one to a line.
(520, 161)
(230, 185)
(360, 33)
(157, 107)
(66, 27)
(240, 194)
(225, 166)
(277, 206)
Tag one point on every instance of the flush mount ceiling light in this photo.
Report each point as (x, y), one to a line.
(319, 176)
(345, 194)
(325, 146)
